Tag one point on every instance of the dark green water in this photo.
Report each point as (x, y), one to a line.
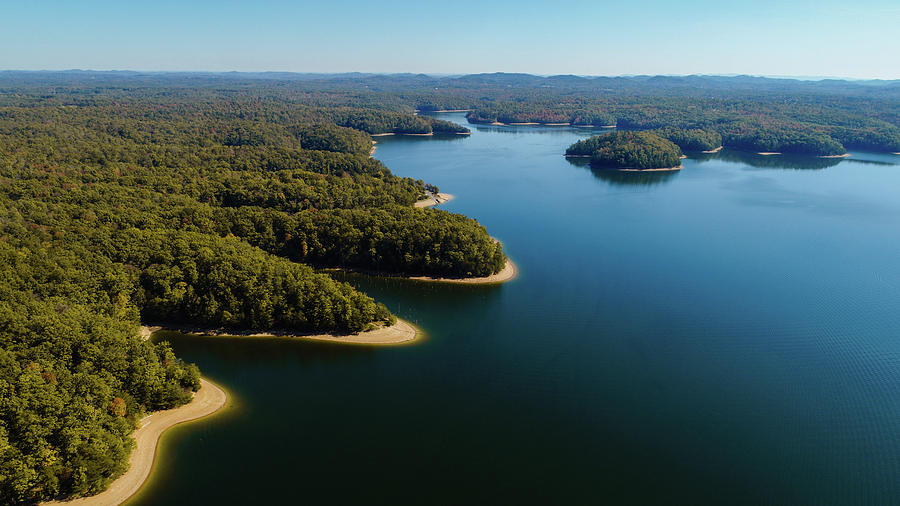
(727, 334)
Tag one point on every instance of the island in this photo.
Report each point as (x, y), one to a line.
(628, 151)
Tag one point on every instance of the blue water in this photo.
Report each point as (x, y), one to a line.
(726, 334)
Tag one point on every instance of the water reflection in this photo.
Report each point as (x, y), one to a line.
(791, 162)
(626, 178)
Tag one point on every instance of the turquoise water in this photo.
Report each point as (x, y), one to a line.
(729, 333)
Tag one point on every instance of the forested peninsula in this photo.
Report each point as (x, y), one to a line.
(214, 199)
(628, 151)
(188, 205)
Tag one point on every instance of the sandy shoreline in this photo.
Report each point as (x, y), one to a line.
(845, 155)
(664, 169)
(209, 399)
(434, 200)
(768, 153)
(509, 272)
(713, 150)
(398, 333)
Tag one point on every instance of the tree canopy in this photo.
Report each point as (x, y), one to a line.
(628, 150)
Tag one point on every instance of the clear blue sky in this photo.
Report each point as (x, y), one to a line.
(763, 37)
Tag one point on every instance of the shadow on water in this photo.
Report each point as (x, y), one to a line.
(626, 178)
(391, 139)
(268, 350)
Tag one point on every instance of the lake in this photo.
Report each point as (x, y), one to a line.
(728, 333)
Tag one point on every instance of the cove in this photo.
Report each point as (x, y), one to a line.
(724, 334)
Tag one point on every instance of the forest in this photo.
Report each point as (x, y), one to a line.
(182, 205)
(628, 150)
(214, 199)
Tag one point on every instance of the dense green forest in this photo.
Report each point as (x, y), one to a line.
(211, 198)
(182, 205)
(691, 140)
(628, 150)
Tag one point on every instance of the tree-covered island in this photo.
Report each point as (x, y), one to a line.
(628, 151)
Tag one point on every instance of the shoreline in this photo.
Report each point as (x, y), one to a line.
(401, 332)
(768, 153)
(446, 110)
(509, 272)
(434, 200)
(392, 133)
(208, 400)
(708, 151)
(845, 155)
(664, 169)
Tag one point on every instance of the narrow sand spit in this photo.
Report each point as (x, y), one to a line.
(434, 200)
(769, 153)
(147, 331)
(209, 399)
(508, 273)
(398, 333)
(382, 135)
(713, 150)
(665, 169)
(845, 155)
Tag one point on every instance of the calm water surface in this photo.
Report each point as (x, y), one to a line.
(726, 334)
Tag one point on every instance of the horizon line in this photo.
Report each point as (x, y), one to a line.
(456, 74)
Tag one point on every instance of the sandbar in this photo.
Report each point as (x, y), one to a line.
(209, 399)
(769, 153)
(508, 273)
(434, 200)
(664, 169)
(845, 155)
(399, 333)
(713, 150)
